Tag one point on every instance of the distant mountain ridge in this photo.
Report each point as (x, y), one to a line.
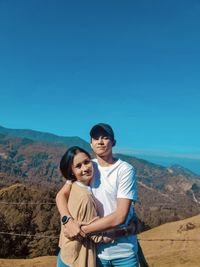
(192, 164)
(178, 169)
(45, 137)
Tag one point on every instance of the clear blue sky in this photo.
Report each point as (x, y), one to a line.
(66, 65)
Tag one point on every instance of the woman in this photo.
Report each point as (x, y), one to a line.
(76, 165)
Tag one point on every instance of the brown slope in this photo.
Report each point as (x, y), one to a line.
(45, 261)
(173, 244)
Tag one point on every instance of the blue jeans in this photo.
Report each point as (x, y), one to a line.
(131, 261)
(60, 263)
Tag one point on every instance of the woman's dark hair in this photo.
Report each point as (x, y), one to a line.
(67, 161)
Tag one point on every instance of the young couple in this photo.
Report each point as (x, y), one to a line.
(106, 187)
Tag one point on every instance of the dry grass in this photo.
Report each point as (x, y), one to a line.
(46, 261)
(171, 252)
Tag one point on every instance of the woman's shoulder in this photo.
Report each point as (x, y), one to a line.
(80, 190)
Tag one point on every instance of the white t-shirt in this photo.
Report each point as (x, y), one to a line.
(110, 183)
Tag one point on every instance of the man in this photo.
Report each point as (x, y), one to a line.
(114, 190)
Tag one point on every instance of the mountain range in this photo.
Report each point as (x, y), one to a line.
(45, 137)
(29, 173)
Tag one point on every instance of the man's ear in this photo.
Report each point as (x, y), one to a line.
(114, 142)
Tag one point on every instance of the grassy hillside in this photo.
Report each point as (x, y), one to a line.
(174, 244)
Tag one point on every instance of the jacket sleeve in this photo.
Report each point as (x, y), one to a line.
(87, 214)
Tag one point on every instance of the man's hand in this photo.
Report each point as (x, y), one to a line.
(71, 229)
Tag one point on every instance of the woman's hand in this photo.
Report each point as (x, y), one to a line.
(72, 229)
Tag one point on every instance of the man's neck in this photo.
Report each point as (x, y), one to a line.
(106, 161)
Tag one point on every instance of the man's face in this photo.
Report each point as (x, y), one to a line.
(102, 145)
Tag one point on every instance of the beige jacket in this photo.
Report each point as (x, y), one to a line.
(82, 208)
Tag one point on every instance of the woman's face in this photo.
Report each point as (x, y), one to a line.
(82, 168)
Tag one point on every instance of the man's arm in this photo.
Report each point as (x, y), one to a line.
(71, 228)
(62, 198)
(112, 220)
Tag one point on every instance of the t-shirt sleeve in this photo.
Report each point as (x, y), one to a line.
(127, 187)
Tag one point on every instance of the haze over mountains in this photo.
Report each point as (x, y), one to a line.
(32, 160)
(189, 163)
